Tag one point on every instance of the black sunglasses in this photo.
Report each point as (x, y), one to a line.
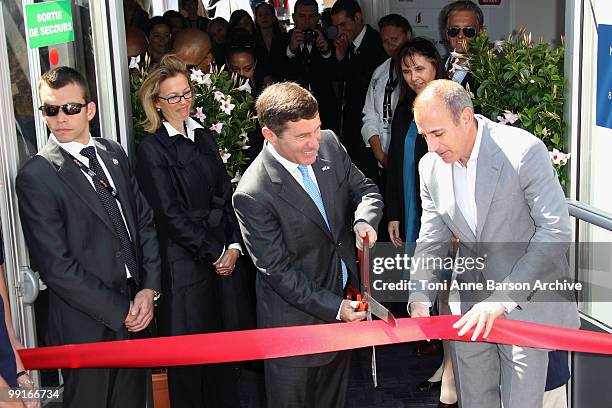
(70, 108)
(469, 32)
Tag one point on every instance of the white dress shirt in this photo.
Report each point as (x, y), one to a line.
(464, 183)
(74, 148)
(357, 41)
(292, 168)
(191, 125)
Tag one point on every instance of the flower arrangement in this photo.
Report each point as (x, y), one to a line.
(222, 103)
(521, 84)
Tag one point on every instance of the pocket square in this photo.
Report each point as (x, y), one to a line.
(325, 168)
(115, 162)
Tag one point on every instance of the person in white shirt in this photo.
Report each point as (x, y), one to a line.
(383, 92)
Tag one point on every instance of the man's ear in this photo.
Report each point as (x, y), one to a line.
(467, 116)
(358, 17)
(91, 110)
(268, 135)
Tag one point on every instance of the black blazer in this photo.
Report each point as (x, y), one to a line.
(356, 75)
(271, 62)
(190, 193)
(298, 258)
(73, 243)
(315, 73)
(394, 204)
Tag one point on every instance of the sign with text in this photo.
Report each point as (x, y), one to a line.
(604, 77)
(49, 23)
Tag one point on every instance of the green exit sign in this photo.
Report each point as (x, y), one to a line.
(49, 23)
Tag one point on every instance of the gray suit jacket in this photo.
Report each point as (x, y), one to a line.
(296, 254)
(523, 228)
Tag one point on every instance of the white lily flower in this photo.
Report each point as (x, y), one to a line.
(200, 114)
(134, 61)
(217, 127)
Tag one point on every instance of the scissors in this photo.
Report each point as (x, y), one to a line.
(366, 302)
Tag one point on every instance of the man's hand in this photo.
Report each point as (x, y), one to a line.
(481, 314)
(141, 311)
(394, 233)
(348, 313)
(361, 230)
(418, 309)
(341, 43)
(321, 42)
(297, 39)
(225, 265)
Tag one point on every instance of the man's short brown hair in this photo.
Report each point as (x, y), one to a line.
(284, 102)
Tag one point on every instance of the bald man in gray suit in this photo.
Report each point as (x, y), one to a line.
(493, 188)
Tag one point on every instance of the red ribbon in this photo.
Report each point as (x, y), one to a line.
(300, 340)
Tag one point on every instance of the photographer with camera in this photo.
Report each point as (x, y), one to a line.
(308, 61)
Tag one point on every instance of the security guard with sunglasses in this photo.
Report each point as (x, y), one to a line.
(91, 235)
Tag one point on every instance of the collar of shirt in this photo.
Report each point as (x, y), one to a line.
(357, 41)
(191, 125)
(74, 148)
(291, 167)
(474, 155)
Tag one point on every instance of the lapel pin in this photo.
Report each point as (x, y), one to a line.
(325, 168)
(115, 162)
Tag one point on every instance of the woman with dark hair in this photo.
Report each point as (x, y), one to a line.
(217, 30)
(419, 63)
(241, 19)
(242, 60)
(270, 40)
(183, 178)
(159, 34)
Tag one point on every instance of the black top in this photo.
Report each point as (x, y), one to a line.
(394, 203)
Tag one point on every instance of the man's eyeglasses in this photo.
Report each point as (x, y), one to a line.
(176, 99)
(469, 32)
(195, 66)
(71, 108)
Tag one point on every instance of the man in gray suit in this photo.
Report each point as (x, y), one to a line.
(297, 204)
(493, 188)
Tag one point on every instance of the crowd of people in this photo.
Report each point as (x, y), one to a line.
(346, 118)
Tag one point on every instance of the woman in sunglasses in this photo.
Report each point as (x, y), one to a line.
(419, 64)
(181, 174)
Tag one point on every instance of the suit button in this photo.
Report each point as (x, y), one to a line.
(180, 163)
(209, 188)
(118, 254)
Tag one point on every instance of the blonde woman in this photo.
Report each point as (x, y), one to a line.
(182, 176)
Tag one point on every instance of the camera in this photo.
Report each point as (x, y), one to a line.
(309, 36)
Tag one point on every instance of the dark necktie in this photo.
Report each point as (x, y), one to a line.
(352, 52)
(112, 208)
